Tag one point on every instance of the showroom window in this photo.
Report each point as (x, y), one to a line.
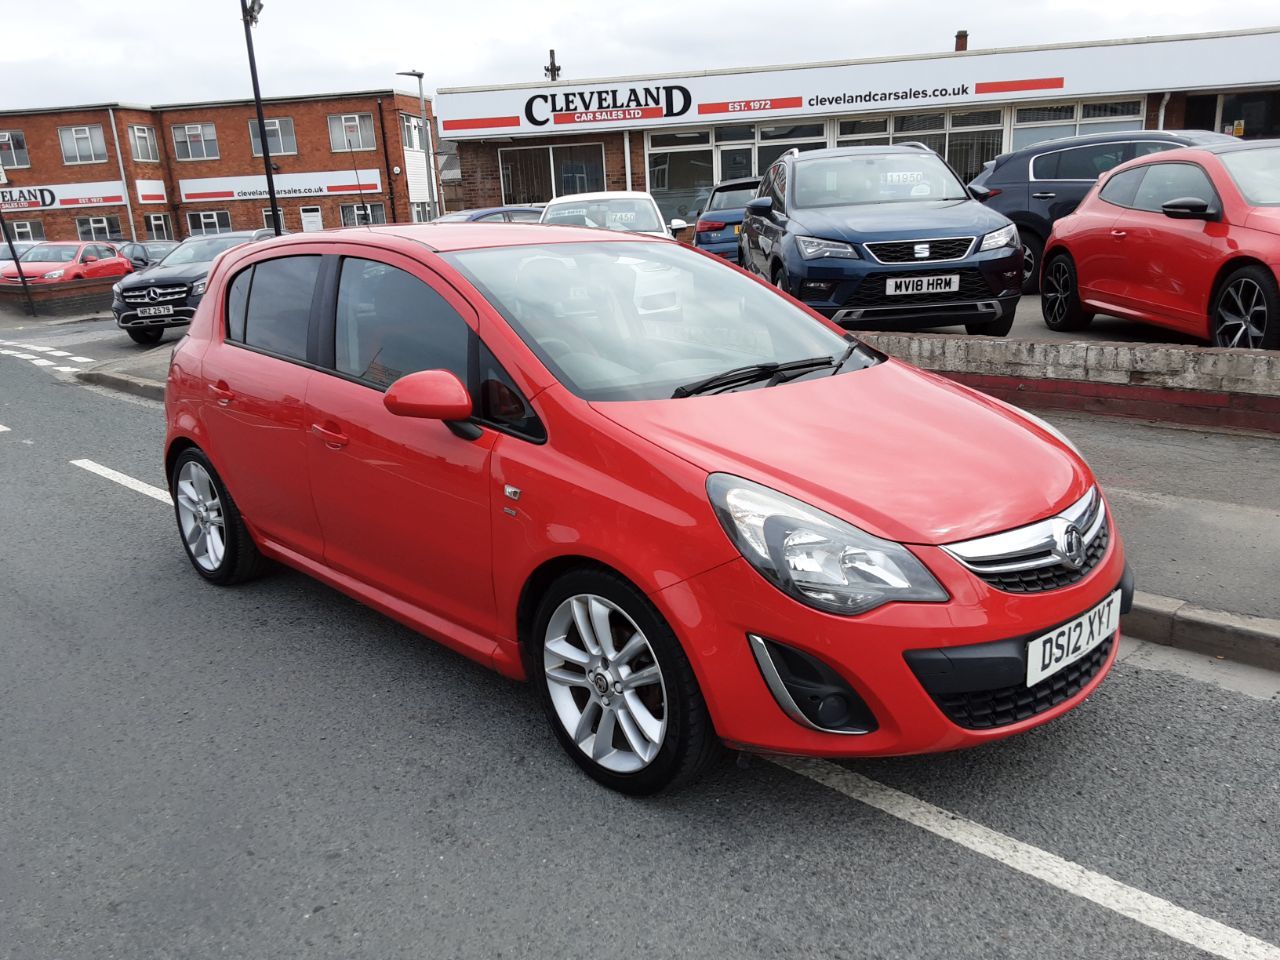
(26, 229)
(280, 138)
(195, 141)
(98, 228)
(83, 144)
(538, 174)
(143, 142)
(1039, 122)
(362, 214)
(159, 226)
(865, 132)
(13, 150)
(681, 172)
(208, 221)
(351, 131)
(777, 139)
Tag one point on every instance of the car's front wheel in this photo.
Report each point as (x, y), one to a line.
(1060, 297)
(780, 279)
(213, 532)
(617, 687)
(1032, 251)
(145, 335)
(1246, 311)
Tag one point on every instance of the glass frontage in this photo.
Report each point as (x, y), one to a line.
(539, 174)
(681, 181)
(1038, 122)
(1251, 115)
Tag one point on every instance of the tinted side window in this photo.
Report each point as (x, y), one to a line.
(391, 323)
(1121, 188)
(1045, 166)
(279, 311)
(501, 402)
(1172, 181)
(1087, 163)
(238, 304)
(781, 189)
(1145, 147)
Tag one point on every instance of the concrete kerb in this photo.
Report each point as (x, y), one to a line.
(124, 382)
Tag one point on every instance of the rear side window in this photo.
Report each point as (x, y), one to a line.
(269, 305)
(391, 323)
(1078, 163)
(1121, 189)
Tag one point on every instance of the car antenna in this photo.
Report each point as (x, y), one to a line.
(351, 152)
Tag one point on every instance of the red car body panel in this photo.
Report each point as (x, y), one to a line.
(34, 270)
(412, 520)
(1150, 267)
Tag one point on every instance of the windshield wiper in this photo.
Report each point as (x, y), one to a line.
(739, 376)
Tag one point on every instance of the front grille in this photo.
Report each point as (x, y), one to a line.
(871, 290)
(905, 251)
(1001, 706)
(142, 295)
(1058, 575)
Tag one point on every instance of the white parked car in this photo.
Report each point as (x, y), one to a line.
(630, 211)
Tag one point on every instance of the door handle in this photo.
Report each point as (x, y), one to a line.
(333, 439)
(1043, 196)
(1119, 234)
(222, 393)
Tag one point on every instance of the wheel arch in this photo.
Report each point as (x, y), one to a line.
(176, 447)
(539, 581)
(1225, 270)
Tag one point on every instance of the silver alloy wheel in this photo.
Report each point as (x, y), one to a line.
(1242, 315)
(1028, 265)
(605, 683)
(200, 516)
(1056, 291)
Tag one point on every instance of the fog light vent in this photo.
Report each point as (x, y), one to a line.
(816, 290)
(810, 692)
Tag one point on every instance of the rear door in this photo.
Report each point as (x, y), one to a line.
(1059, 179)
(1096, 245)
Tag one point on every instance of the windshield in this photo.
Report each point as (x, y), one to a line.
(626, 214)
(874, 178)
(633, 321)
(159, 249)
(1257, 174)
(51, 253)
(200, 251)
(732, 199)
(458, 217)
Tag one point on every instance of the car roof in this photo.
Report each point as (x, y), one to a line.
(1235, 146)
(464, 235)
(225, 233)
(603, 195)
(1116, 136)
(896, 149)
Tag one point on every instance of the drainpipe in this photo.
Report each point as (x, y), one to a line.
(386, 162)
(1164, 101)
(626, 156)
(128, 203)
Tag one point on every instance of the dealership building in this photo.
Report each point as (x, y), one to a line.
(676, 135)
(117, 171)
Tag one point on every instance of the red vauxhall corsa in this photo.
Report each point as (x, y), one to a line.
(60, 262)
(685, 507)
(1187, 239)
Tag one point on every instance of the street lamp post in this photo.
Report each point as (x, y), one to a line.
(427, 145)
(249, 11)
(7, 236)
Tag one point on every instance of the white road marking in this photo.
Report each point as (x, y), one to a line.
(41, 362)
(3, 428)
(9, 353)
(124, 480)
(82, 359)
(25, 356)
(32, 346)
(67, 369)
(59, 353)
(1151, 911)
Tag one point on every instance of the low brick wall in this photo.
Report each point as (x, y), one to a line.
(73, 298)
(1199, 386)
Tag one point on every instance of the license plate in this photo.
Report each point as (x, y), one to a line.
(155, 311)
(1066, 644)
(898, 286)
(737, 229)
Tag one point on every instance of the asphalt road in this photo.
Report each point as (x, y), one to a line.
(275, 771)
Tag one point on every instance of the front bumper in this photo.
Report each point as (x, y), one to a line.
(127, 317)
(717, 612)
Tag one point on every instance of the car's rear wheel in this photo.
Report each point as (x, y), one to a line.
(617, 687)
(1032, 251)
(213, 532)
(1060, 298)
(145, 335)
(1246, 311)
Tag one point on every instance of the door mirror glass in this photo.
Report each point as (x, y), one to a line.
(1187, 208)
(429, 395)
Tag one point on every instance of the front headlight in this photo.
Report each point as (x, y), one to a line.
(818, 559)
(115, 291)
(811, 248)
(54, 274)
(198, 287)
(1004, 237)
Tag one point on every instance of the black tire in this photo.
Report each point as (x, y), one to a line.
(1060, 299)
(1249, 292)
(1032, 254)
(780, 278)
(689, 744)
(146, 336)
(994, 328)
(241, 560)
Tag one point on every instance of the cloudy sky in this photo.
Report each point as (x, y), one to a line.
(167, 51)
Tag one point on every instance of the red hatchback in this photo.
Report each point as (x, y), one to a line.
(60, 262)
(1187, 239)
(689, 509)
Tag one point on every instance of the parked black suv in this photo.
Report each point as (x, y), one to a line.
(149, 301)
(883, 238)
(1040, 184)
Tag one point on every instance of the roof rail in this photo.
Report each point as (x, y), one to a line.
(915, 143)
(793, 152)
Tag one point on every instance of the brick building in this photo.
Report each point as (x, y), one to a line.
(107, 171)
(676, 135)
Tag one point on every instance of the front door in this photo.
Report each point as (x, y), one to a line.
(403, 502)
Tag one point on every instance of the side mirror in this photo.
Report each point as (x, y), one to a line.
(677, 225)
(428, 395)
(88, 258)
(1187, 208)
(979, 193)
(760, 206)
